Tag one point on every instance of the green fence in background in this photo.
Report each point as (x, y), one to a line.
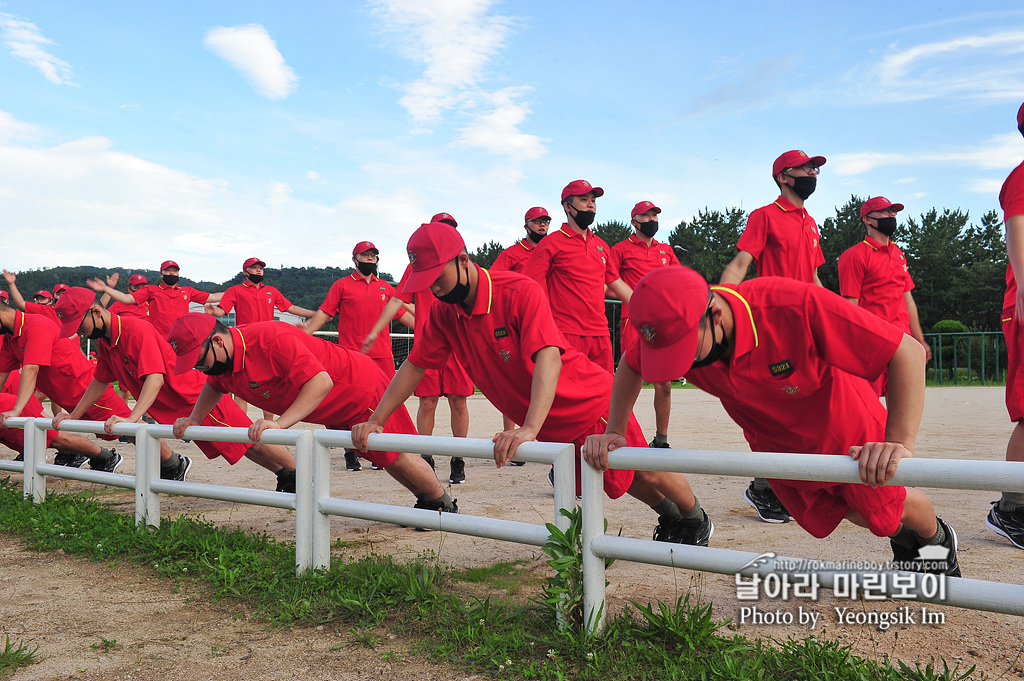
(972, 358)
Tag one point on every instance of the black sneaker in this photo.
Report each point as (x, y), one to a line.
(656, 445)
(20, 457)
(429, 459)
(1010, 524)
(939, 559)
(149, 419)
(551, 476)
(435, 506)
(285, 481)
(70, 460)
(458, 474)
(685, 531)
(352, 461)
(516, 463)
(767, 505)
(108, 463)
(179, 473)
(375, 467)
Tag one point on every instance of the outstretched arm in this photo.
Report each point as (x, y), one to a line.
(16, 299)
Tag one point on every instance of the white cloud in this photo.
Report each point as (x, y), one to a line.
(1001, 151)
(313, 175)
(252, 51)
(905, 180)
(497, 132)
(11, 129)
(27, 43)
(989, 187)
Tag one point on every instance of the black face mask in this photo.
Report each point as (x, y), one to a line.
(804, 186)
(718, 348)
(584, 218)
(218, 367)
(534, 236)
(648, 229)
(97, 331)
(366, 268)
(170, 279)
(459, 292)
(255, 278)
(886, 226)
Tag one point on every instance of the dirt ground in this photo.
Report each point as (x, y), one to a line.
(68, 607)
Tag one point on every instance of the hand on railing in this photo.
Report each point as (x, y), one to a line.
(178, 429)
(878, 461)
(257, 428)
(108, 425)
(507, 441)
(361, 431)
(595, 449)
(10, 414)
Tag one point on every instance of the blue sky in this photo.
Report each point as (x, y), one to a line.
(207, 132)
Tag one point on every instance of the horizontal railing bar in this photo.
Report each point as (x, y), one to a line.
(12, 466)
(87, 475)
(491, 528)
(999, 476)
(224, 434)
(477, 448)
(974, 594)
(242, 495)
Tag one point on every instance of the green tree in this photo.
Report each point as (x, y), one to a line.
(837, 235)
(981, 280)
(613, 231)
(935, 253)
(486, 254)
(708, 242)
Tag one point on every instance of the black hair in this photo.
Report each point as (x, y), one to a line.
(219, 328)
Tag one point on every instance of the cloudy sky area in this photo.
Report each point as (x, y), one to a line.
(208, 132)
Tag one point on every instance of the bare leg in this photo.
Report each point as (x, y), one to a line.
(662, 406)
(75, 444)
(271, 457)
(425, 415)
(1015, 447)
(415, 475)
(653, 487)
(460, 415)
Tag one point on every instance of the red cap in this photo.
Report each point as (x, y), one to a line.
(879, 203)
(168, 264)
(187, 336)
(445, 218)
(666, 308)
(535, 213)
(250, 262)
(793, 159)
(60, 287)
(137, 279)
(4, 296)
(363, 247)
(430, 248)
(43, 294)
(579, 188)
(71, 307)
(643, 207)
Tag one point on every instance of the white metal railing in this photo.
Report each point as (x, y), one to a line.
(946, 473)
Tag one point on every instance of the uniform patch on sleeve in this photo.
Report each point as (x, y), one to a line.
(781, 368)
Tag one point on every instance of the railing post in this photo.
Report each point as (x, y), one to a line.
(304, 502)
(321, 522)
(33, 484)
(983, 339)
(565, 485)
(147, 469)
(939, 367)
(593, 566)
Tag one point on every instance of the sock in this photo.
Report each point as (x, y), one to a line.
(104, 455)
(171, 463)
(1011, 501)
(667, 509)
(761, 485)
(905, 538)
(694, 515)
(661, 438)
(937, 538)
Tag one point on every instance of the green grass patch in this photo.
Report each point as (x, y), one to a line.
(16, 655)
(425, 602)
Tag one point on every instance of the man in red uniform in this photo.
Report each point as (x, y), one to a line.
(1007, 514)
(135, 282)
(783, 239)
(132, 352)
(303, 378)
(630, 260)
(786, 359)
(514, 258)
(167, 301)
(571, 264)
(254, 299)
(450, 381)
(72, 450)
(57, 367)
(873, 274)
(58, 291)
(41, 303)
(501, 328)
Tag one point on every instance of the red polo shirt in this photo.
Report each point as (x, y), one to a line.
(514, 258)
(360, 303)
(783, 240)
(273, 360)
(1011, 200)
(44, 310)
(797, 380)
(632, 258)
(140, 311)
(167, 303)
(573, 268)
(256, 302)
(15, 437)
(877, 275)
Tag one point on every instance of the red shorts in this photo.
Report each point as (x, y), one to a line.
(386, 364)
(226, 413)
(452, 380)
(1014, 367)
(819, 507)
(109, 404)
(400, 423)
(597, 348)
(15, 437)
(616, 481)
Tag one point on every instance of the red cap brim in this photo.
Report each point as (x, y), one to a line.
(670, 362)
(186, 362)
(69, 328)
(422, 279)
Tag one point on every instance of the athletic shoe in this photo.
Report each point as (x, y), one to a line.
(435, 506)
(70, 460)
(551, 476)
(429, 459)
(352, 461)
(20, 457)
(375, 467)
(656, 445)
(943, 563)
(107, 464)
(1010, 524)
(767, 505)
(458, 474)
(516, 463)
(179, 473)
(149, 419)
(285, 481)
(680, 531)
